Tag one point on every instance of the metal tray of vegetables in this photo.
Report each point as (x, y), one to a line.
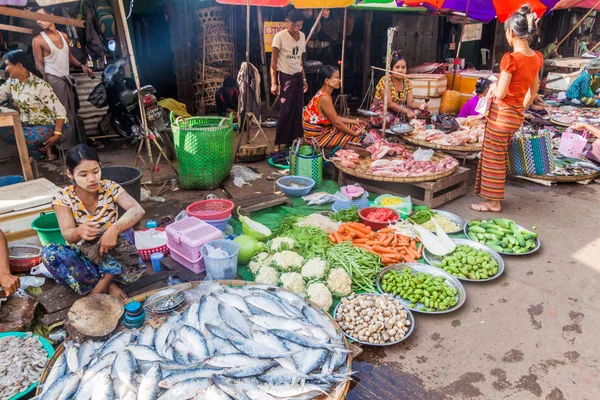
(471, 261)
(416, 299)
(455, 219)
(488, 229)
(409, 318)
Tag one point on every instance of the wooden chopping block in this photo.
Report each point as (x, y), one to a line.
(94, 317)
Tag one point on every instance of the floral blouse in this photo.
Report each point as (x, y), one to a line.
(397, 97)
(311, 112)
(107, 210)
(35, 100)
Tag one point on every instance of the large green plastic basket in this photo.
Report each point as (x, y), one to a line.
(204, 147)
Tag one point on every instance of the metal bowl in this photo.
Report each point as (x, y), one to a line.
(538, 244)
(410, 317)
(402, 129)
(269, 123)
(432, 260)
(367, 113)
(454, 218)
(165, 301)
(461, 296)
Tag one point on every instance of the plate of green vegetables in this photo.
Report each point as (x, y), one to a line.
(503, 236)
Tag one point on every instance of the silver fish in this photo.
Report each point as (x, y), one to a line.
(149, 388)
(234, 319)
(86, 389)
(190, 316)
(309, 360)
(231, 388)
(230, 361)
(236, 301)
(267, 304)
(163, 332)
(180, 353)
(270, 340)
(194, 341)
(209, 312)
(269, 321)
(73, 357)
(223, 332)
(256, 369)
(279, 376)
(186, 389)
(257, 350)
(220, 346)
(70, 388)
(102, 363)
(86, 353)
(287, 391)
(58, 370)
(316, 318)
(118, 342)
(125, 367)
(103, 388)
(213, 392)
(301, 340)
(143, 353)
(185, 374)
(146, 337)
(56, 388)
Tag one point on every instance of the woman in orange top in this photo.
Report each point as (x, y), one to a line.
(517, 86)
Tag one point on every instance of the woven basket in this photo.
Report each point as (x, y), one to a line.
(209, 15)
(211, 73)
(219, 52)
(204, 147)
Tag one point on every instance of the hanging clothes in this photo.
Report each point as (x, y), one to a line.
(254, 91)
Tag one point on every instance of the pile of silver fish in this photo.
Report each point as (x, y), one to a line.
(22, 360)
(256, 342)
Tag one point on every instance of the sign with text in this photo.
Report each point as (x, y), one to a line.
(472, 32)
(270, 29)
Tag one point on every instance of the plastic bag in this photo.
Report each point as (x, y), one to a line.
(150, 239)
(243, 175)
(216, 253)
(41, 270)
(319, 198)
(423, 155)
(446, 123)
(403, 205)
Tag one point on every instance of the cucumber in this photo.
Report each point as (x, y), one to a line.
(474, 223)
(511, 239)
(529, 235)
(494, 247)
(495, 232)
(473, 236)
(489, 226)
(518, 235)
(476, 229)
(503, 222)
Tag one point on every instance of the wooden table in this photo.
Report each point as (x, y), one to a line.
(10, 117)
(569, 62)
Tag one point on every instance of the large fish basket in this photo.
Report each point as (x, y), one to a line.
(339, 393)
(210, 73)
(209, 15)
(219, 50)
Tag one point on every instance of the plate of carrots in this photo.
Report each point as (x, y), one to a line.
(391, 247)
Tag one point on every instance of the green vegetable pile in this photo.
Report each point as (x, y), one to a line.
(310, 242)
(432, 292)
(469, 263)
(349, 215)
(361, 265)
(421, 216)
(502, 235)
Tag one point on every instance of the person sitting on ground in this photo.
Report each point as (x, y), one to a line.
(539, 105)
(551, 50)
(321, 123)
(581, 88)
(227, 98)
(481, 90)
(401, 100)
(88, 211)
(8, 281)
(43, 117)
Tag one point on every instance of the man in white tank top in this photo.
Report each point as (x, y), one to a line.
(52, 59)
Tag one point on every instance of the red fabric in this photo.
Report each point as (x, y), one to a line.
(577, 3)
(524, 69)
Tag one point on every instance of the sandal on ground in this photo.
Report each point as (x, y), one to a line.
(484, 207)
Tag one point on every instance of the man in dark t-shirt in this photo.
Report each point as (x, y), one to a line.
(227, 98)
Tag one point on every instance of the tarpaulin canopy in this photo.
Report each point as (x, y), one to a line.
(483, 10)
(297, 3)
(577, 4)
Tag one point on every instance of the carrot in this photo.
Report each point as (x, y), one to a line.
(360, 227)
(331, 237)
(388, 261)
(357, 234)
(381, 249)
(392, 256)
(373, 242)
(386, 230)
(413, 244)
(360, 241)
(337, 237)
(352, 234)
(345, 238)
(388, 241)
(420, 251)
(411, 252)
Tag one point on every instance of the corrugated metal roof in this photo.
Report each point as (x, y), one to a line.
(87, 111)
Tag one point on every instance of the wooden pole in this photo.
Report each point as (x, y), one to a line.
(367, 49)
(17, 29)
(343, 51)
(594, 48)
(121, 37)
(388, 62)
(263, 55)
(579, 23)
(462, 33)
(388, 70)
(246, 120)
(15, 12)
(314, 28)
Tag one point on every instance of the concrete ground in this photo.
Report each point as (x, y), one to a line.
(530, 334)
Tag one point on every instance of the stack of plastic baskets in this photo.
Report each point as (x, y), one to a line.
(185, 239)
(215, 212)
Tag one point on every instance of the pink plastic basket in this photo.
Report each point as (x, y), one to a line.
(187, 237)
(194, 266)
(572, 144)
(146, 253)
(210, 209)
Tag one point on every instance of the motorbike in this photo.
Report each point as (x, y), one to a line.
(122, 100)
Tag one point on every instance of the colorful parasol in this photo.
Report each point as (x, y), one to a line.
(562, 4)
(483, 10)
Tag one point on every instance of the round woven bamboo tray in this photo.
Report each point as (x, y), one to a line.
(556, 122)
(209, 14)
(424, 143)
(340, 391)
(363, 170)
(564, 179)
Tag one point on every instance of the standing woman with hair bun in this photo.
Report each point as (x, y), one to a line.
(517, 87)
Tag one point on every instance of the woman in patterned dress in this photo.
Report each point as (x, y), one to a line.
(43, 117)
(401, 101)
(321, 123)
(88, 212)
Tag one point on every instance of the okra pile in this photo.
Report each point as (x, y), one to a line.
(424, 291)
(502, 235)
(469, 263)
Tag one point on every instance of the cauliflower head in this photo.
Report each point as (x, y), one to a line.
(339, 282)
(314, 268)
(288, 260)
(292, 281)
(319, 294)
(258, 261)
(281, 244)
(267, 275)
